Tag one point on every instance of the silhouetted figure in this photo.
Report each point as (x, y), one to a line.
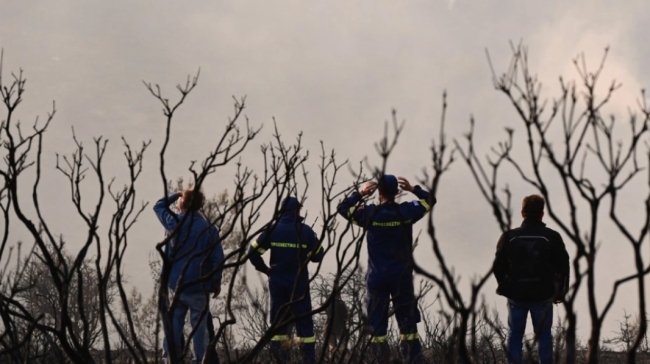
(389, 227)
(195, 251)
(532, 268)
(293, 245)
(337, 317)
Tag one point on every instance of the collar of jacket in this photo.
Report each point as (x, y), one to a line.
(288, 217)
(388, 204)
(193, 215)
(532, 222)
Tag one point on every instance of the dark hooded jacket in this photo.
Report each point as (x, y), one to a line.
(293, 245)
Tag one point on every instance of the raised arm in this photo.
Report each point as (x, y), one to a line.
(418, 208)
(167, 218)
(348, 207)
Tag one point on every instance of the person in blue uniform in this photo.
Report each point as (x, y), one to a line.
(293, 245)
(389, 230)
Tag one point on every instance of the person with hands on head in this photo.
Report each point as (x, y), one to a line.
(389, 228)
(195, 254)
(532, 269)
(293, 245)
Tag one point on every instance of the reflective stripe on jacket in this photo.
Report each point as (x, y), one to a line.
(389, 229)
(292, 245)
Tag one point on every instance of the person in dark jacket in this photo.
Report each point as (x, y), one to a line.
(532, 269)
(337, 317)
(293, 245)
(389, 228)
(195, 253)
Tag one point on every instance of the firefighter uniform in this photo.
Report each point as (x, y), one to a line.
(389, 228)
(292, 245)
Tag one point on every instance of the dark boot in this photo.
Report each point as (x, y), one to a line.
(280, 353)
(411, 350)
(308, 352)
(379, 353)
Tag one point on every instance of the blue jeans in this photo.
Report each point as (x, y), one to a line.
(542, 316)
(197, 304)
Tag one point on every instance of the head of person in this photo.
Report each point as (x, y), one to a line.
(532, 207)
(388, 187)
(191, 201)
(290, 205)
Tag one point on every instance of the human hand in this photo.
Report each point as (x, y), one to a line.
(368, 188)
(216, 292)
(404, 184)
(179, 201)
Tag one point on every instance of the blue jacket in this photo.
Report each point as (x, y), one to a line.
(389, 228)
(292, 244)
(197, 242)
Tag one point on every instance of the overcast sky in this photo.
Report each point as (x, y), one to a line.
(333, 70)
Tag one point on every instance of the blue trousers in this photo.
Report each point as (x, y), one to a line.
(285, 306)
(400, 291)
(196, 303)
(542, 315)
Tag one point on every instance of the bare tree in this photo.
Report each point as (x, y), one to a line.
(121, 319)
(570, 139)
(57, 305)
(73, 329)
(38, 293)
(627, 334)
